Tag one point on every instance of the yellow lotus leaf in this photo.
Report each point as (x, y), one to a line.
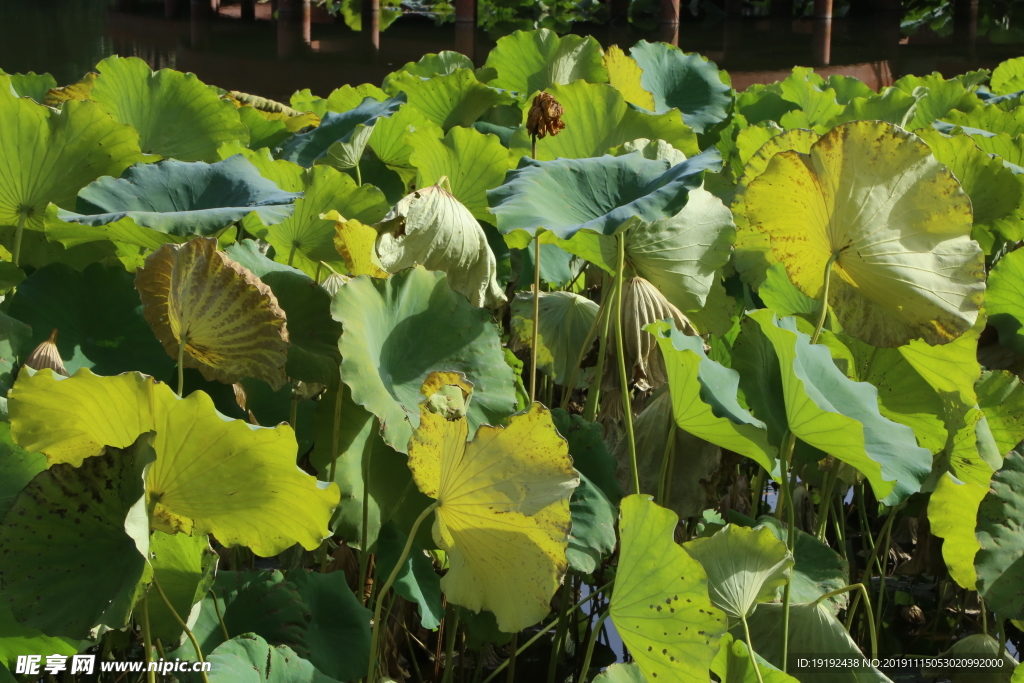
(503, 510)
(896, 221)
(356, 244)
(228, 321)
(624, 74)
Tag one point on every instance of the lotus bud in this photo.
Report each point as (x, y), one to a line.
(46, 355)
(545, 116)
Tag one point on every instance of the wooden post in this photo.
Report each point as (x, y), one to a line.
(465, 40)
(670, 13)
(822, 40)
(199, 24)
(371, 24)
(465, 12)
(293, 27)
(248, 10)
(823, 9)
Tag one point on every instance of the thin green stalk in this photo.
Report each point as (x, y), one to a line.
(984, 616)
(536, 317)
(513, 651)
(865, 528)
(1001, 630)
(849, 615)
(375, 633)
(594, 393)
(884, 558)
(181, 364)
(750, 648)
(825, 504)
(359, 175)
(449, 647)
(537, 636)
(757, 491)
(666, 464)
(293, 413)
(590, 646)
(336, 432)
(563, 626)
(787, 489)
(220, 617)
(627, 407)
(18, 234)
(591, 335)
(824, 298)
(364, 541)
(840, 527)
(291, 253)
(183, 625)
(147, 641)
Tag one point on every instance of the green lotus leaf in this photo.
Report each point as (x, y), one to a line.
(183, 199)
(1000, 532)
(97, 315)
(598, 118)
(184, 566)
(52, 154)
(568, 196)
(704, 398)
(31, 85)
(660, 605)
(762, 103)
(1001, 398)
(848, 88)
(1008, 77)
(565, 321)
(592, 538)
(905, 266)
(17, 641)
(1005, 300)
(744, 567)
(818, 569)
(432, 228)
(589, 453)
(753, 248)
(389, 142)
(439, 64)
(72, 519)
(891, 105)
(950, 368)
(398, 331)
(17, 466)
(621, 673)
(989, 119)
(840, 417)
(265, 132)
(733, 664)
(813, 630)
(456, 99)
(817, 102)
(937, 98)
(528, 61)
(504, 494)
(348, 97)
(982, 646)
(684, 81)
(416, 581)
(305, 101)
(259, 602)
(15, 343)
(472, 162)
(213, 314)
(626, 76)
(953, 516)
(651, 149)
(339, 634)
(306, 149)
(176, 114)
(248, 658)
(1010, 148)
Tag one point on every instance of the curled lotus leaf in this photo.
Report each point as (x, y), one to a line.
(432, 228)
(897, 224)
(566, 320)
(228, 321)
(502, 510)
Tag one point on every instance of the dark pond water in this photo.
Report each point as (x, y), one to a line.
(274, 58)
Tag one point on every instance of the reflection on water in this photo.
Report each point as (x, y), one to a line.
(306, 47)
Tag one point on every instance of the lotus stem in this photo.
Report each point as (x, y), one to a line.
(787, 488)
(181, 364)
(359, 175)
(220, 617)
(18, 234)
(884, 560)
(666, 465)
(590, 646)
(291, 253)
(1001, 631)
(364, 541)
(293, 413)
(750, 649)
(513, 651)
(824, 298)
(563, 625)
(984, 615)
(627, 407)
(536, 318)
(757, 492)
(849, 616)
(375, 633)
(825, 504)
(594, 392)
(182, 624)
(147, 641)
(449, 647)
(336, 432)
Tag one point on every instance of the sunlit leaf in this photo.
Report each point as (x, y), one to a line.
(306, 149)
(1000, 532)
(625, 75)
(248, 657)
(457, 99)
(184, 566)
(1008, 77)
(1005, 300)
(733, 664)
(528, 61)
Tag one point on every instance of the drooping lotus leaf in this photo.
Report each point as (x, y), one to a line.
(503, 510)
(660, 606)
(19, 641)
(744, 567)
(72, 519)
(176, 198)
(813, 630)
(953, 517)
(733, 664)
(905, 266)
(416, 581)
(1000, 532)
(687, 82)
(184, 566)
(456, 99)
(600, 195)
(1005, 300)
(598, 118)
(273, 504)
(357, 244)
(398, 331)
(432, 228)
(1008, 77)
(339, 634)
(98, 318)
(440, 64)
(565, 321)
(176, 114)
(704, 399)
(49, 155)
(472, 162)
(981, 646)
(306, 149)
(625, 75)
(528, 61)
(228, 321)
(305, 239)
(249, 658)
(841, 417)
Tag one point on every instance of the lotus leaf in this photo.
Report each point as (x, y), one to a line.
(983, 646)
(440, 64)
(625, 75)
(528, 61)
(1001, 398)
(416, 581)
(250, 659)
(660, 606)
(1000, 532)
(953, 515)
(621, 673)
(817, 102)
(176, 114)
(398, 331)
(357, 244)
(184, 566)
(991, 120)
(566, 320)
(687, 82)
(456, 99)
(339, 634)
(1008, 77)
(1005, 301)
(17, 466)
(733, 664)
(432, 228)
(306, 149)
(21, 640)
(503, 510)
(899, 236)
(213, 314)
(388, 141)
